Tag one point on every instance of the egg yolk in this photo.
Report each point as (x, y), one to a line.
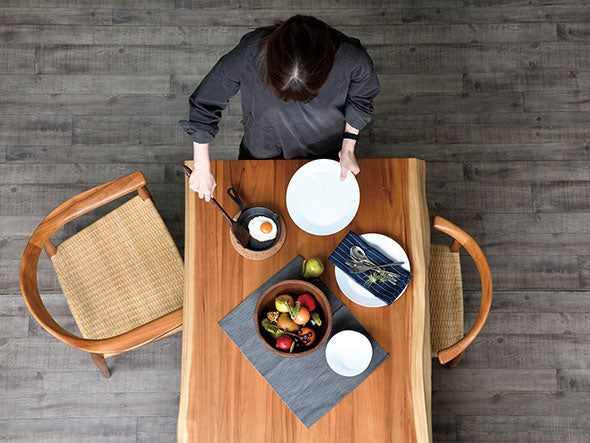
(266, 228)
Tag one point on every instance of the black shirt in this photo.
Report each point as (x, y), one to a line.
(272, 126)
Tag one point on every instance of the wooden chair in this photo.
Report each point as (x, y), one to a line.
(122, 276)
(446, 294)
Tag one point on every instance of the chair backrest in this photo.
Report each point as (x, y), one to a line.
(465, 240)
(64, 213)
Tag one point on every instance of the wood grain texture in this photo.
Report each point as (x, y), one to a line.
(106, 153)
(562, 196)
(156, 429)
(526, 272)
(314, 5)
(14, 326)
(529, 403)
(495, 351)
(408, 400)
(486, 129)
(17, 59)
(58, 430)
(532, 301)
(86, 4)
(457, 33)
(392, 104)
(251, 18)
(574, 101)
(552, 80)
(535, 323)
(484, 152)
(96, 405)
(497, 14)
(55, 16)
(573, 31)
(87, 382)
(536, 244)
(84, 84)
(13, 304)
(36, 130)
(127, 60)
(508, 428)
(79, 174)
(479, 57)
(584, 265)
(460, 379)
(103, 35)
(523, 223)
(92, 104)
(146, 130)
(472, 197)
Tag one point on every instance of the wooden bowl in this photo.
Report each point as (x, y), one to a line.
(294, 288)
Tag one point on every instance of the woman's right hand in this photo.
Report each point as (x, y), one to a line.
(203, 183)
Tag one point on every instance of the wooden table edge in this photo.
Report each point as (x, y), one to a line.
(420, 377)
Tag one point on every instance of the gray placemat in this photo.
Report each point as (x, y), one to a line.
(324, 388)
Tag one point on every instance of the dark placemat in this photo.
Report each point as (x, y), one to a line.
(311, 397)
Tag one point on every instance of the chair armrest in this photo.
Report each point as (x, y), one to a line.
(465, 240)
(85, 202)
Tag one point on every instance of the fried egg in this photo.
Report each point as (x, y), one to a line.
(262, 228)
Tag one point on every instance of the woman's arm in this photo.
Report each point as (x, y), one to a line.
(362, 90)
(201, 180)
(207, 103)
(347, 158)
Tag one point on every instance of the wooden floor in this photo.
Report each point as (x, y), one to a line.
(494, 94)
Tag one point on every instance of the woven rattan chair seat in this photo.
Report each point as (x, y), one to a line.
(121, 272)
(446, 298)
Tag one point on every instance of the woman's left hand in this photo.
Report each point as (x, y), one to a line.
(347, 161)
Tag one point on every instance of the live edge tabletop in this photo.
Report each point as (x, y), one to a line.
(222, 397)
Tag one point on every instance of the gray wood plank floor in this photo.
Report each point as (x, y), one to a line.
(494, 94)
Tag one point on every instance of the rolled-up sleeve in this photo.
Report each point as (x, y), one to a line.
(211, 98)
(364, 87)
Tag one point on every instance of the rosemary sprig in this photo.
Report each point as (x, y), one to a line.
(379, 277)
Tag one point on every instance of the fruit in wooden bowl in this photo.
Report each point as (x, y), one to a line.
(293, 318)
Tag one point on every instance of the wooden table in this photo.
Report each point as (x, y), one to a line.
(223, 398)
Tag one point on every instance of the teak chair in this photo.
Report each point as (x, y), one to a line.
(446, 294)
(122, 276)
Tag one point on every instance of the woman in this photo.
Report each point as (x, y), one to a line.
(307, 91)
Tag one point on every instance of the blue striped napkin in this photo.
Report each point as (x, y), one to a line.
(387, 292)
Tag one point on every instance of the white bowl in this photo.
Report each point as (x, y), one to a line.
(349, 353)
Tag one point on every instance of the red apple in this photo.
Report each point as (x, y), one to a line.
(308, 301)
(284, 342)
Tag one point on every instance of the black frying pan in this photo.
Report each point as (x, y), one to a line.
(248, 214)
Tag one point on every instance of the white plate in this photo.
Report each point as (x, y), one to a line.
(318, 202)
(356, 292)
(349, 353)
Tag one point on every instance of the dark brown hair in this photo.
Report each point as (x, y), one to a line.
(298, 55)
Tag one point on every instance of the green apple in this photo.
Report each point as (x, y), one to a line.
(312, 268)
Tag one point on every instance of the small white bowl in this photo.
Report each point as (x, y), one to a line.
(349, 353)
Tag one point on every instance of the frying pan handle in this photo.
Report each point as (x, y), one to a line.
(188, 171)
(229, 219)
(234, 196)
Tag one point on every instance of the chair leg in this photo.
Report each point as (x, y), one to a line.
(99, 360)
(454, 362)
